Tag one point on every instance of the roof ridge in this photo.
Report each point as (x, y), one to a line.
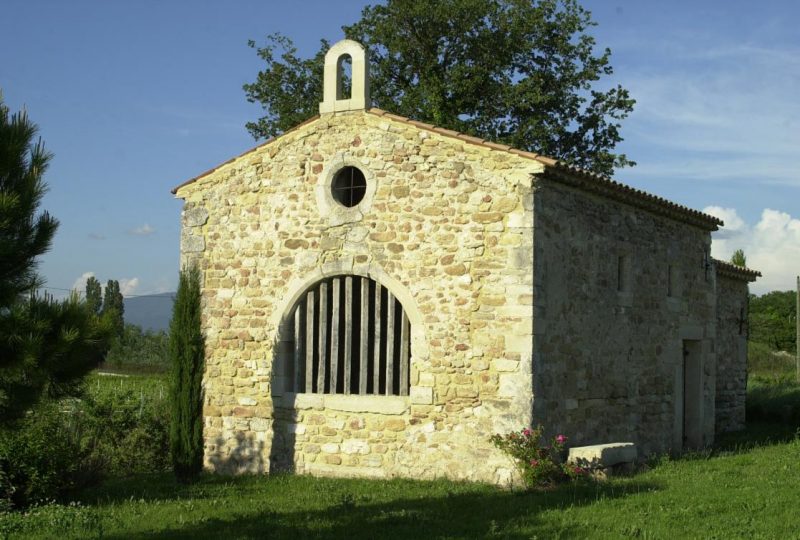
(609, 183)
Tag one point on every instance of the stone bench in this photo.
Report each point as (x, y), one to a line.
(604, 459)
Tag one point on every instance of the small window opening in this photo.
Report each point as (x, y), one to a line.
(344, 84)
(623, 273)
(349, 186)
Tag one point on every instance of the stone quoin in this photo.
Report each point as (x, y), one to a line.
(381, 295)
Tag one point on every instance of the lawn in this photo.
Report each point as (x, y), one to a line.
(744, 493)
(746, 488)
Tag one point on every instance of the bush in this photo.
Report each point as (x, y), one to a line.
(539, 466)
(70, 444)
(39, 457)
(124, 432)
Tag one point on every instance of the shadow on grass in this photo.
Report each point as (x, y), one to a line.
(756, 434)
(465, 511)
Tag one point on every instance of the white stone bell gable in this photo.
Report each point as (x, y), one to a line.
(333, 98)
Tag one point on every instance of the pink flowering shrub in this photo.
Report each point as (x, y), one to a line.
(540, 465)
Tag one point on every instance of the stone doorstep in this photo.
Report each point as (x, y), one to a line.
(602, 456)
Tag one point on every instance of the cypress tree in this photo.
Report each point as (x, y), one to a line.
(114, 306)
(94, 295)
(186, 351)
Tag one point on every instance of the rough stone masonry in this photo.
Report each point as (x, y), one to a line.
(535, 293)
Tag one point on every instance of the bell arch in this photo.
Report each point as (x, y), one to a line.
(333, 99)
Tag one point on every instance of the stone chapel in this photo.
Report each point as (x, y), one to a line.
(381, 295)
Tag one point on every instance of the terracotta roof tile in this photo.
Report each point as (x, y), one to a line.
(736, 271)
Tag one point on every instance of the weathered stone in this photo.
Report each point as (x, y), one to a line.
(602, 455)
(195, 217)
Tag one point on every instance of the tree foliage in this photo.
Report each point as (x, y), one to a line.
(140, 349)
(94, 295)
(520, 72)
(772, 320)
(114, 306)
(186, 351)
(738, 258)
(45, 346)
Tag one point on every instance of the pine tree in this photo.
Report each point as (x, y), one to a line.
(186, 351)
(46, 347)
(94, 295)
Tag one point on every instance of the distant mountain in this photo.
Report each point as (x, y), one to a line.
(151, 311)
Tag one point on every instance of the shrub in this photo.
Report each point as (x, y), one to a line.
(539, 466)
(69, 444)
(39, 457)
(124, 433)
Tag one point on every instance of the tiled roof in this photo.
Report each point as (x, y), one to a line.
(735, 271)
(585, 180)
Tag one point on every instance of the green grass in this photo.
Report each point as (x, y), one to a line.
(749, 492)
(747, 487)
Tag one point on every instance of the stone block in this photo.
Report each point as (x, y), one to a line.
(601, 456)
(421, 395)
(195, 217)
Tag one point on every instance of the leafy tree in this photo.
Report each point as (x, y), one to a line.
(114, 307)
(139, 348)
(521, 72)
(94, 295)
(45, 346)
(186, 351)
(738, 258)
(772, 320)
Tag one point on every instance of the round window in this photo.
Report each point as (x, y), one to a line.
(348, 186)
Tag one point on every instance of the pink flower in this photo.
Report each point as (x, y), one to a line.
(534, 463)
(526, 432)
(560, 439)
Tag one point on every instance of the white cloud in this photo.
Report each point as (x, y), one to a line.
(128, 286)
(772, 246)
(144, 230)
(79, 285)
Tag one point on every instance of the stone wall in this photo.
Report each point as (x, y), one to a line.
(608, 363)
(446, 225)
(732, 314)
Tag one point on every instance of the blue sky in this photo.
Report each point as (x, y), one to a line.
(135, 97)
